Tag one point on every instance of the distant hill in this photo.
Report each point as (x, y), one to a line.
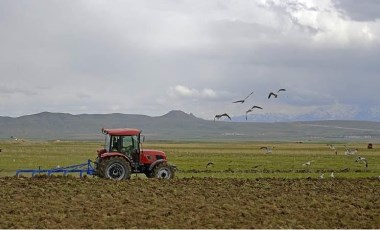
(177, 125)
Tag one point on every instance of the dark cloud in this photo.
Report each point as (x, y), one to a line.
(363, 10)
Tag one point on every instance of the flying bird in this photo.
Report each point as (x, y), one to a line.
(242, 101)
(268, 149)
(209, 164)
(362, 159)
(222, 115)
(321, 176)
(256, 107)
(250, 110)
(246, 113)
(332, 175)
(274, 94)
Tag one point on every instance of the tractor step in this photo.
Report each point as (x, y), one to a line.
(86, 168)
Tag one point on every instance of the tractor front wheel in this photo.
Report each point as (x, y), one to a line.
(117, 168)
(163, 171)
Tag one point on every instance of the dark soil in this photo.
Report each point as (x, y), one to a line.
(67, 202)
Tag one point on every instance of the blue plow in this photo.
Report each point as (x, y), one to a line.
(85, 168)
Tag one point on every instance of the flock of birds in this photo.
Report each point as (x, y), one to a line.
(271, 94)
(348, 151)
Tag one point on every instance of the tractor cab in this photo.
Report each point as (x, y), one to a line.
(123, 141)
(127, 144)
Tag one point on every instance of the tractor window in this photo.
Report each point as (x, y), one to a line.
(115, 143)
(107, 143)
(129, 143)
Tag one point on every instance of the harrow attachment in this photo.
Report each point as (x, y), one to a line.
(86, 168)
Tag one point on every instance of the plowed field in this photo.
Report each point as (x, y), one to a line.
(68, 202)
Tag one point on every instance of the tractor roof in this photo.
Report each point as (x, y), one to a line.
(121, 132)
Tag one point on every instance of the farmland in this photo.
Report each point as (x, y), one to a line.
(245, 188)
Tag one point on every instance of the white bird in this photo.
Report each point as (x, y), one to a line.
(362, 159)
(321, 176)
(268, 149)
(243, 100)
(307, 163)
(332, 175)
(332, 147)
(350, 151)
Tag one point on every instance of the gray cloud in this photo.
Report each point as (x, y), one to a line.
(364, 10)
(153, 56)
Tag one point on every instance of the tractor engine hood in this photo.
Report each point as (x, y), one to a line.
(148, 156)
(153, 152)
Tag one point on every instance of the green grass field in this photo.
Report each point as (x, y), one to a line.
(231, 159)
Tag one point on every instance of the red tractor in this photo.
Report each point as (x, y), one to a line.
(123, 155)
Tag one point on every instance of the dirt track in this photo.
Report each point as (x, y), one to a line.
(60, 202)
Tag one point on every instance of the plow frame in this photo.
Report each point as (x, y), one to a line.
(86, 168)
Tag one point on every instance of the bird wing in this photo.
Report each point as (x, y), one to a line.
(281, 90)
(218, 116)
(248, 96)
(270, 94)
(246, 113)
(264, 148)
(256, 107)
(239, 101)
(226, 115)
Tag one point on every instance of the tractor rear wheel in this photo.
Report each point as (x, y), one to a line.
(116, 168)
(163, 171)
(100, 168)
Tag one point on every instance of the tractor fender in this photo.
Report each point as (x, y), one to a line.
(115, 154)
(157, 162)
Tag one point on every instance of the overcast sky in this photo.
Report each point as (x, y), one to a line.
(150, 57)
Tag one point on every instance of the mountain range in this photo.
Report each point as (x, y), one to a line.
(178, 125)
